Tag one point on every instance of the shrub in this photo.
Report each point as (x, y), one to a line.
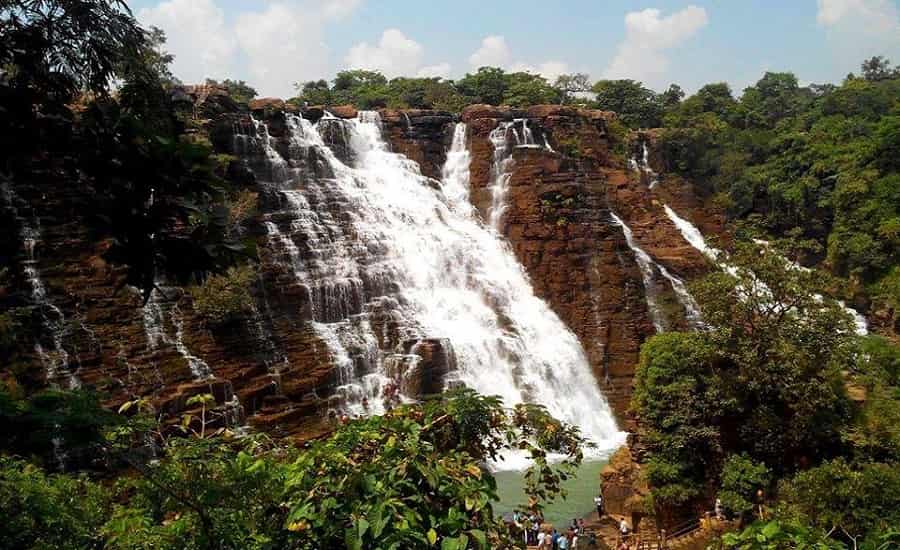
(742, 477)
(223, 298)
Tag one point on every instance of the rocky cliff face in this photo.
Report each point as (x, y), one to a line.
(273, 367)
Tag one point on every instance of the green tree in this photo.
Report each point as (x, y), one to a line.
(637, 106)
(679, 399)
(878, 68)
(780, 535)
(774, 97)
(413, 478)
(525, 89)
(856, 502)
(741, 479)
(672, 96)
(570, 85)
(238, 89)
(487, 85)
(316, 92)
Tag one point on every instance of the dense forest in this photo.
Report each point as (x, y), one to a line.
(761, 408)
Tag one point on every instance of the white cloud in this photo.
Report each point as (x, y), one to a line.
(548, 69)
(441, 70)
(643, 55)
(338, 9)
(864, 16)
(278, 43)
(395, 55)
(281, 45)
(493, 53)
(197, 35)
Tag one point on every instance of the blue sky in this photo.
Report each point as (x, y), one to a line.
(274, 43)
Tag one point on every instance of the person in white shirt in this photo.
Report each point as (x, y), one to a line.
(598, 501)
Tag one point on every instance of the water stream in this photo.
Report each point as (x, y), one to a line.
(693, 236)
(649, 267)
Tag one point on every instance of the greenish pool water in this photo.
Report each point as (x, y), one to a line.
(582, 488)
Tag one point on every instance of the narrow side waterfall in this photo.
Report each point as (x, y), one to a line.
(693, 236)
(154, 317)
(642, 165)
(56, 361)
(645, 264)
(388, 261)
(501, 170)
(649, 267)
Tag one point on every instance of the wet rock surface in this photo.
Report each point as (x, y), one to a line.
(273, 364)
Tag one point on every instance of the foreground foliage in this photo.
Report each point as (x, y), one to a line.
(757, 404)
(413, 478)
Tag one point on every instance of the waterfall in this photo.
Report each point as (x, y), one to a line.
(56, 361)
(407, 262)
(455, 172)
(154, 321)
(693, 236)
(645, 264)
(642, 165)
(501, 171)
(648, 267)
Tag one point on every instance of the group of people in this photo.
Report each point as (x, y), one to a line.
(546, 537)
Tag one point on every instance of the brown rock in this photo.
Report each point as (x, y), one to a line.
(343, 111)
(267, 104)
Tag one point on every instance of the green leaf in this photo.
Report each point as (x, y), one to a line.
(352, 539)
(362, 526)
(450, 544)
(771, 529)
(480, 537)
(432, 536)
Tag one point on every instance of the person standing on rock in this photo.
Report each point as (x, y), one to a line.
(598, 501)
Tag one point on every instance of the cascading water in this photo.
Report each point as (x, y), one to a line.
(455, 173)
(154, 320)
(56, 361)
(501, 169)
(642, 165)
(645, 264)
(693, 236)
(408, 262)
(648, 268)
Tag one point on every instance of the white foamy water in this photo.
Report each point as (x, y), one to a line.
(56, 360)
(648, 266)
(157, 334)
(642, 165)
(401, 261)
(693, 236)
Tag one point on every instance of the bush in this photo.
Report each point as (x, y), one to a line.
(49, 511)
(224, 298)
(741, 479)
(858, 500)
